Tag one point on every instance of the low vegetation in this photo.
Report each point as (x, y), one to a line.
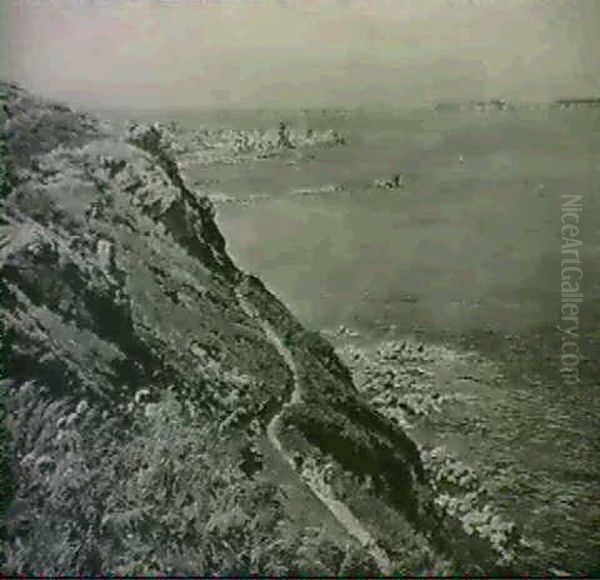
(138, 389)
(166, 495)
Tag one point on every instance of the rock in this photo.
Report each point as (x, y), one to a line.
(105, 250)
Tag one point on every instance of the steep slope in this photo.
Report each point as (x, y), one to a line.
(157, 397)
(342, 514)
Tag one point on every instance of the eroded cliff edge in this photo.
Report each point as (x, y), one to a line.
(140, 388)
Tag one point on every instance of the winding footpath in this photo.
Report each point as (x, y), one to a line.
(340, 511)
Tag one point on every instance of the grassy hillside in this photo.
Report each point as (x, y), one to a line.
(138, 390)
(164, 410)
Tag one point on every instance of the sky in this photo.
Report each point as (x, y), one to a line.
(171, 54)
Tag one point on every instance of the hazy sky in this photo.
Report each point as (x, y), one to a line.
(251, 53)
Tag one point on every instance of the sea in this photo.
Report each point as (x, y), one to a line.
(468, 253)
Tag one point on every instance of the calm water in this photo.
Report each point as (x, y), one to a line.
(464, 246)
(468, 254)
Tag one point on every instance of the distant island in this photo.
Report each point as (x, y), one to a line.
(484, 105)
(502, 105)
(577, 103)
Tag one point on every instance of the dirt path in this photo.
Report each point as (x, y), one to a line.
(340, 511)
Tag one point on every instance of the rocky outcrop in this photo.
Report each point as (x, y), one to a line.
(230, 146)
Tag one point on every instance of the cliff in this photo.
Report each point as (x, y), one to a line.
(165, 411)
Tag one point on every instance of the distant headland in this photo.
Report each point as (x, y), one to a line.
(502, 105)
